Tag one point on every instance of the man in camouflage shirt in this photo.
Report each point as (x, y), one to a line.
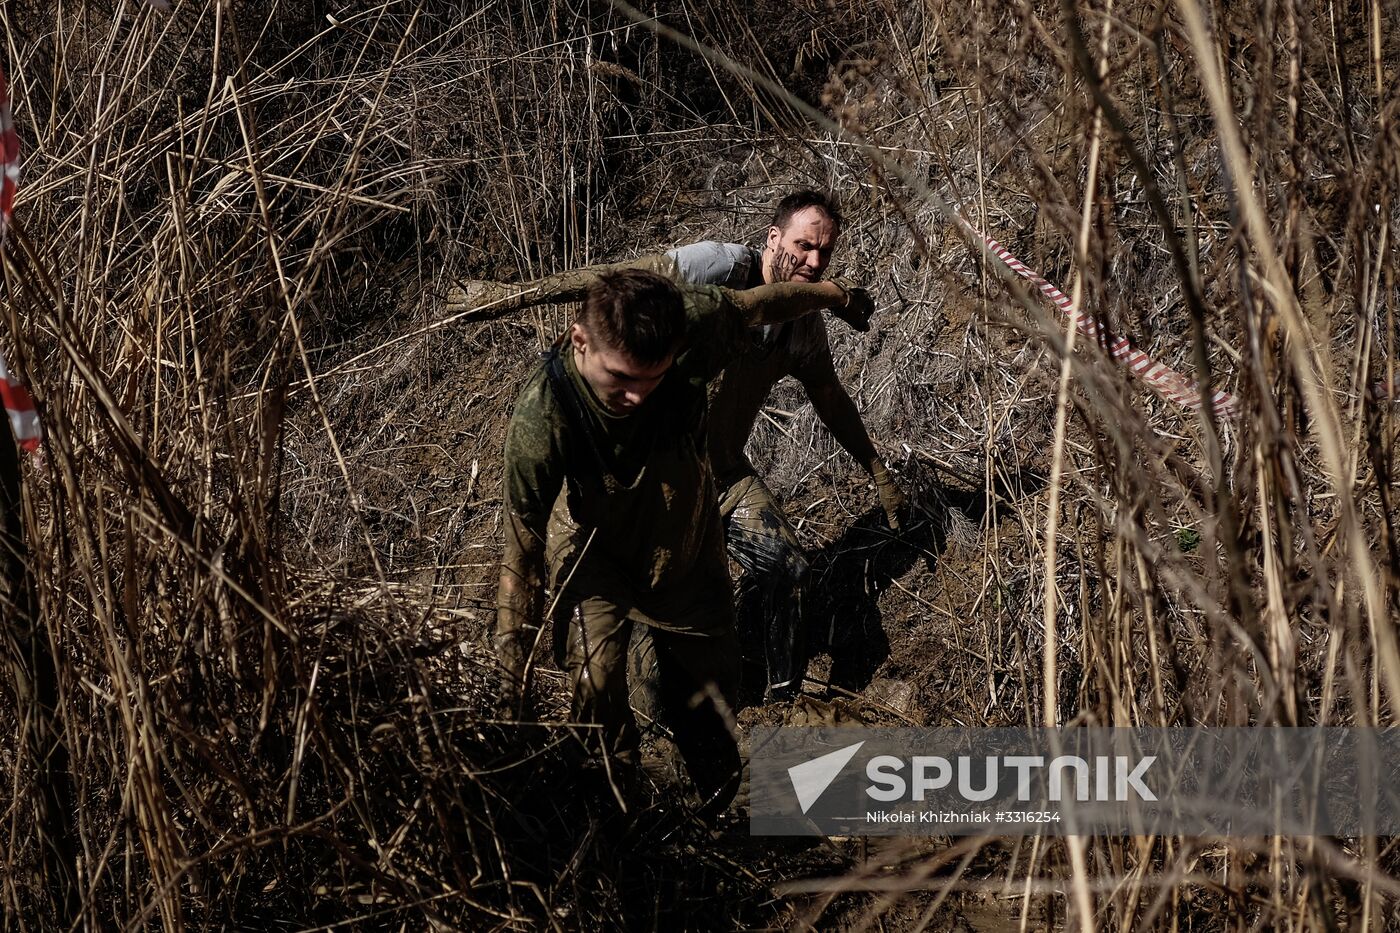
(798, 248)
(608, 490)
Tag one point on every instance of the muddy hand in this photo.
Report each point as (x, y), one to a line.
(858, 308)
(514, 703)
(891, 496)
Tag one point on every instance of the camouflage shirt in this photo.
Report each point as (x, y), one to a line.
(629, 513)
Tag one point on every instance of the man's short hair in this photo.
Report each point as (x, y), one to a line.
(801, 200)
(638, 313)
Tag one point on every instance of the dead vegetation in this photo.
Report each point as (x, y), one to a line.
(262, 549)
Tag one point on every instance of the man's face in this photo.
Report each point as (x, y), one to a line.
(620, 382)
(801, 251)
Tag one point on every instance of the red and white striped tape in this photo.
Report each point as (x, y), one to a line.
(19, 404)
(1158, 376)
(9, 158)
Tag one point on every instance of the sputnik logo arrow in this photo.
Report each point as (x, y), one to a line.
(811, 778)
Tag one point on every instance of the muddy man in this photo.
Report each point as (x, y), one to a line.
(608, 490)
(798, 248)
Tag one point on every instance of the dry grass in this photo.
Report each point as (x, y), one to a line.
(262, 548)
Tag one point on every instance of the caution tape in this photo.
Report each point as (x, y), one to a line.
(1158, 376)
(19, 404)
(9, 158)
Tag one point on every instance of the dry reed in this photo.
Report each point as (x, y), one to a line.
(253, 686)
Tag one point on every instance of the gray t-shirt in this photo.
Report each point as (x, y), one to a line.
(731, 265)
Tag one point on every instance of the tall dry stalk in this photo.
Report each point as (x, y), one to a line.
(261, 556)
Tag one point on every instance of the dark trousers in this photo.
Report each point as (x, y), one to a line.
(695, 681)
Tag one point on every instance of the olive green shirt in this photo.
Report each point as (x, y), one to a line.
(798, 348)
(645, 534)
(636, 522)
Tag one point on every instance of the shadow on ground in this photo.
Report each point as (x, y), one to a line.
(852, 573)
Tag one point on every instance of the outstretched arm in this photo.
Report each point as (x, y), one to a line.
(561, 287)
(786, 301)
(837, 410)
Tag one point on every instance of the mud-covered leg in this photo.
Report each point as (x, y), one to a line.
(698, 680)
(598, 638)
(642, 675)
(761, 541)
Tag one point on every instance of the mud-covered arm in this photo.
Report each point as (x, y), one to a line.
(718, 320)
(837, 410)
(518, 597)
(787, 301)
(561, 287)
(534, 475)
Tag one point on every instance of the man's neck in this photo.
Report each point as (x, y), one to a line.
(586, 391)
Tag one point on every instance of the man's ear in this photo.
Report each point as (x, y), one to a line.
(578, 337)
(775, 234)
